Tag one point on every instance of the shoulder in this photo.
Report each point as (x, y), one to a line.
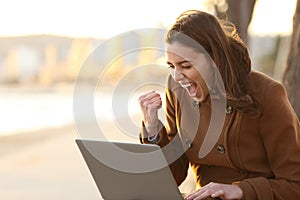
(257, 78)
(263, 87)
(271, 96)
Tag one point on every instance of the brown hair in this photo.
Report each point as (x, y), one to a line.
(221, 41)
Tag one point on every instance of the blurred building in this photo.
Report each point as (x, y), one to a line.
(49, 59)
(43, 59)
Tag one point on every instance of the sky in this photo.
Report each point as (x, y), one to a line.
(107, 18)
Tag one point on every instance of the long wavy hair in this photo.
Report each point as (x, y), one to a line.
(221, 41)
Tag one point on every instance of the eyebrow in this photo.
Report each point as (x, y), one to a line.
(179, 63)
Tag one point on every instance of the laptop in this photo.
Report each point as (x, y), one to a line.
(129, 171)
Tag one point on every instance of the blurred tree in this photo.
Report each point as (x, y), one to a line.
(291, 77)
(238, 12)
(268, 60)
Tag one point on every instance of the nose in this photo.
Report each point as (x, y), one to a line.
(177, 75)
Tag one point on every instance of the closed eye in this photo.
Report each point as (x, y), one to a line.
(183, 64)
(186, 67)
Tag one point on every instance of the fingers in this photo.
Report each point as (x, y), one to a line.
(218, 193)
(153, 101)
(209, 190)
(148, 96)
(150, 100)
(150, 103)
(225, 191)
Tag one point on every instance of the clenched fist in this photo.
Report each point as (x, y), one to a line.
(150, 103)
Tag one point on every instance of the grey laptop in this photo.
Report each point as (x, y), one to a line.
(124, 171)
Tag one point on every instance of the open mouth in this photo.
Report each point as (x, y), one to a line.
(190, 87)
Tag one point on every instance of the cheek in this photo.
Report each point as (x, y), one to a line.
(198, 78)
(202, 84)
(206, 77)
(205, 69)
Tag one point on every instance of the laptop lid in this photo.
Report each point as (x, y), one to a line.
(129, 171)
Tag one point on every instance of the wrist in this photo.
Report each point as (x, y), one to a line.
(151, 134)
(153, 139)
(152, 129)
(239, 191)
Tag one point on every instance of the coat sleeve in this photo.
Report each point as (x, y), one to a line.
(280, 133)
(169, 141)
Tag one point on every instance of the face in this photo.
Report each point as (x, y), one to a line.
(191, 69)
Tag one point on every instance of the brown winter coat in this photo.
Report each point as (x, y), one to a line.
(261, 154)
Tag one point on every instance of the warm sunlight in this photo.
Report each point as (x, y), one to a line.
(108, 18)
(69, 71)
(271, 17)
(87, 18)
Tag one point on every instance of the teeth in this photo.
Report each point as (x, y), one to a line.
(189, 87)
(185, 85)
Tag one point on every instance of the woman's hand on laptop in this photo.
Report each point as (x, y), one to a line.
(224, 191)
(150, 103)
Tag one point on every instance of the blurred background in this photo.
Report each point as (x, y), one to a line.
(43, 45)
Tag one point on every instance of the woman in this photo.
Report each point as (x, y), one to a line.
(256, 153)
